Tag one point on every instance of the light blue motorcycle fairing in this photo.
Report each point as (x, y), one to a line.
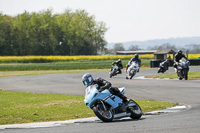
(92, 95)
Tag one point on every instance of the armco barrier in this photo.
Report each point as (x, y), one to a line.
(155, 63)
(194, 62)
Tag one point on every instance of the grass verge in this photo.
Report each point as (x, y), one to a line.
(70, 65)
(42, 72)
(24, 107)
(191, 75)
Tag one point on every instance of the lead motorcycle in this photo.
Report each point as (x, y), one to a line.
(183, 69)
(108, 107)
(132, 70)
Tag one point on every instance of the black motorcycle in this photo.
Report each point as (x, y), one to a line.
(183, 69)
(163, 67)
(113, 70)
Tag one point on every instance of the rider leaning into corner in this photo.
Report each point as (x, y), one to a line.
(119, 64)
(102, 85)
(177, 58)
(136, 58)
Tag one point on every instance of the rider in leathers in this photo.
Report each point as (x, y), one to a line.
(177, 58)
(120, 65)
(134, 59)
(102, 85)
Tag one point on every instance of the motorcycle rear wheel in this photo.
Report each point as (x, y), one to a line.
(106, 116)
(136, 111)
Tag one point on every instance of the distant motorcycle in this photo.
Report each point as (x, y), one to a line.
(108, 107)
(132, 70)
(113, 70)
(182, 69)
(163, 66)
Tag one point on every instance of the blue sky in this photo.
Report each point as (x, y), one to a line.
(127, 20)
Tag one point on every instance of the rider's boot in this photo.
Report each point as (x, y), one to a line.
(124, 98)
(119, 72)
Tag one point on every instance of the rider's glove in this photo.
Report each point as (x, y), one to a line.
(100, 90)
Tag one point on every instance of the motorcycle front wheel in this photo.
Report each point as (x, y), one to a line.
(159, 70)
(110, 74)
(136, 111)
(186, 74)
(179, 74)
(132, 74)
(104, 115)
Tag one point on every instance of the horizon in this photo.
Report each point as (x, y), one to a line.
(179, 42)
(155, 39)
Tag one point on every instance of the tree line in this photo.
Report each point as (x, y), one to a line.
(45, 33)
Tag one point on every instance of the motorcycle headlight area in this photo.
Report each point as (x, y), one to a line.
(87, 91)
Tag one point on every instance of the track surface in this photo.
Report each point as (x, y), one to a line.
(184, 92)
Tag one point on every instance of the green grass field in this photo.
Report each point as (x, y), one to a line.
(43, 72)
(24, 107)
(70, 65)
(191, 75)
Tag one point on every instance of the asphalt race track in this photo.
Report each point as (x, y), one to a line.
(183, 92)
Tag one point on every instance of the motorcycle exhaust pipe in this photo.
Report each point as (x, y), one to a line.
(117, 116)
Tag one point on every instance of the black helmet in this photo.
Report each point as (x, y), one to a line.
(119, 60)
(180, 52)
(87, 79)
(136, 56)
